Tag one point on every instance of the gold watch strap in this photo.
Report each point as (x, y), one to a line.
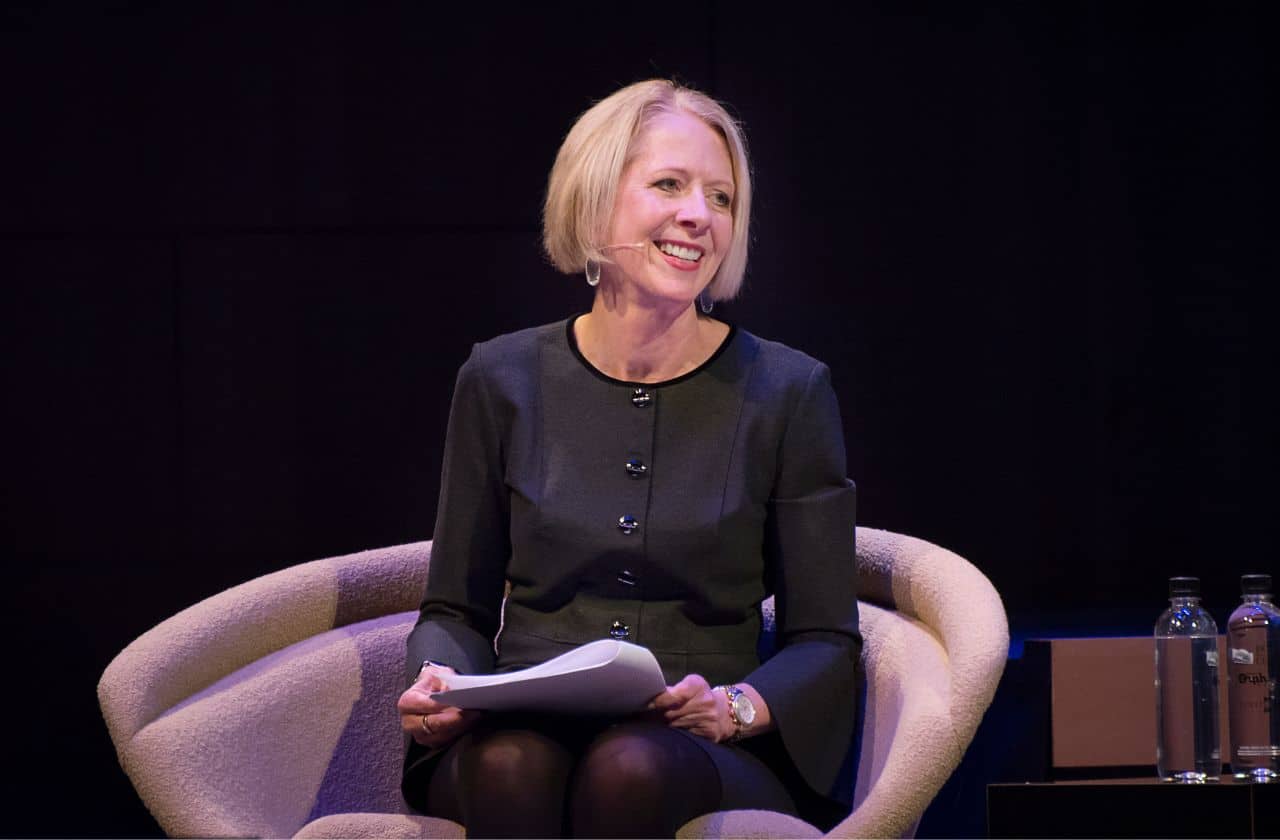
(733, 692)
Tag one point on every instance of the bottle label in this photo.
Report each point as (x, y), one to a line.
(1258, 752)
(1250, 697)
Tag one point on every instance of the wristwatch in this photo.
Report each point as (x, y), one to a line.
(741, 710)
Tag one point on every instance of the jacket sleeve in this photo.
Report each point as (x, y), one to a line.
(462, 606)
(811, 683)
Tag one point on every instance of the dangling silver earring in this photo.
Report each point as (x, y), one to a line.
(706, 304)
(593, 272)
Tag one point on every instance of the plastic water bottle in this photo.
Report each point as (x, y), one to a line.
(1253, 661)
(1187, 748)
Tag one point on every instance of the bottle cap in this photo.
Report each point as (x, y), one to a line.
(1255, 584)
(1184, 587)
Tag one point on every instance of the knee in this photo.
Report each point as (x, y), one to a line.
(623, 762)
(520, 761)
(641, 780)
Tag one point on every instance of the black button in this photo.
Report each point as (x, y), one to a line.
(636, 468)
(641, 398)
(619, 630)
(627, 576)
(627, 524)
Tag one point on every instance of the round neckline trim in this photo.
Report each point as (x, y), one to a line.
(599, 374)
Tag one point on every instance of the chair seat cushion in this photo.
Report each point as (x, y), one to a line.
(391, 826)
(746, 824)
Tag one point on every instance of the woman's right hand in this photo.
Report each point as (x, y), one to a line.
(431, 723)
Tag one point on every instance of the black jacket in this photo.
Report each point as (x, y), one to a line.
(659, 513)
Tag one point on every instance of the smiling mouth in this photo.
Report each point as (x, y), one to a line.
(680, 252)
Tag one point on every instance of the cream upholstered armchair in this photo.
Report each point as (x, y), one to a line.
(269, 709)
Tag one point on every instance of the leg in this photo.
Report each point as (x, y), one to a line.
(641, 779)
(503, 783)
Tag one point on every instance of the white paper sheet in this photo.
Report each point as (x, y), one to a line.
(604, 677)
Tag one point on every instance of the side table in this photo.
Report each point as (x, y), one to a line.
(1143, 807)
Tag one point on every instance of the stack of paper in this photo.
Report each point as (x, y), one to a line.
(605, 677)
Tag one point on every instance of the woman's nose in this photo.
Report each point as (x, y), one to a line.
(693, 212)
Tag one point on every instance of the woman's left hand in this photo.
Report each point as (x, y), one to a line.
(692, 704)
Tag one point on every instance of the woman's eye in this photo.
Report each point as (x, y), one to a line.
(721, 199)
(668, 184)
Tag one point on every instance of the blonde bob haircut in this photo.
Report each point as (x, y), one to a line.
(584, 180)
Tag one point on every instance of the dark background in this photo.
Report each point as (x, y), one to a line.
(245, 246)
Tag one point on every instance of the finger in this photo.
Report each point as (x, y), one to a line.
(430, 680)
(683, 721)
(418, 727)
(690, 716)
(423, 687)
(417, 702)
(697, 726)
(687, 687)
(452, 721)
(440, 719)
(438, 729)
(414, 702)
(677, 695)
(690, 687)
(702, 703)
(434, 677)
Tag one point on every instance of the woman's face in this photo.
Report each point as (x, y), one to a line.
(675, 199)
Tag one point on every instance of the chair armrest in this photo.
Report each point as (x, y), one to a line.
(905, 751)
(305, 732)
(221, 634)
(954, 599)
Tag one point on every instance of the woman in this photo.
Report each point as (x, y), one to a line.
(649, 473)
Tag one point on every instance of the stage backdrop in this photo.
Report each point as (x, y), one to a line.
(245, 246)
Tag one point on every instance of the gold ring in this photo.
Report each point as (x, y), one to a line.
(425, 727)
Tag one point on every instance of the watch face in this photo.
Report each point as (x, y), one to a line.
(743, 708)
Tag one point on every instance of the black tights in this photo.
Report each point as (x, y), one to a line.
(633, 779)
